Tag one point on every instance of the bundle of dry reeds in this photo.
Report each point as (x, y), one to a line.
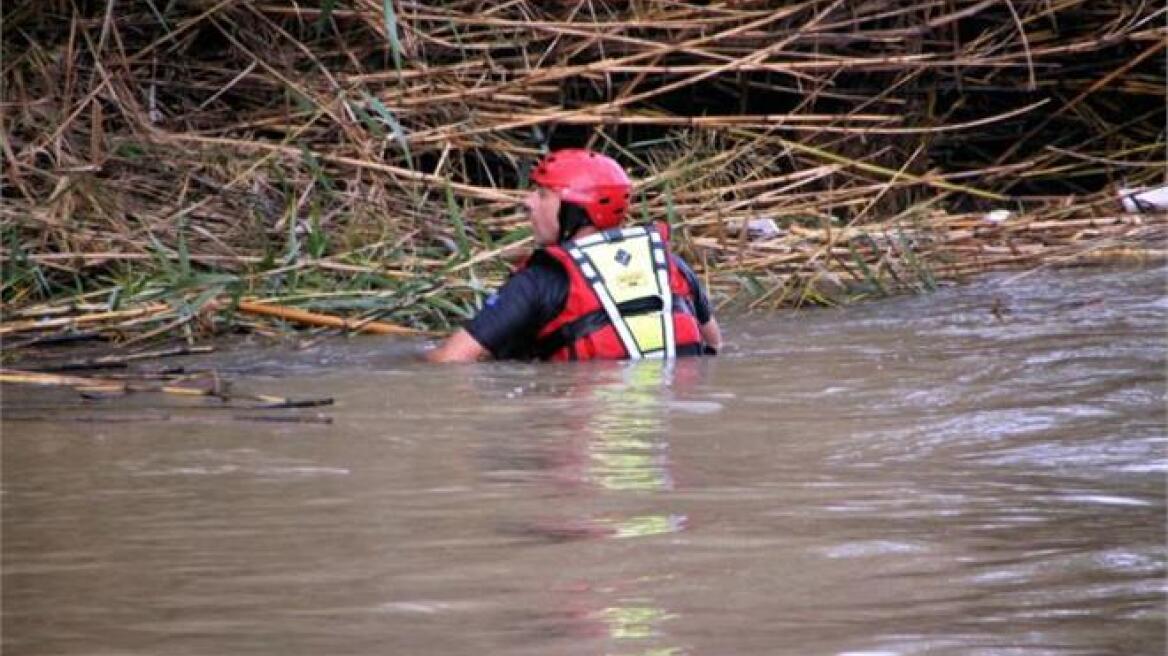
(174, 168)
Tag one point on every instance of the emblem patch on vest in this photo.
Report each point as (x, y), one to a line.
(622, 257)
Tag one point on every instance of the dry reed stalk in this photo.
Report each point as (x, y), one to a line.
(40, 378)
(98, 317)
(317, 319)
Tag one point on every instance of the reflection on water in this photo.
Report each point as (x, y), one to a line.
(627, 444)
(918, 476)
(615, 450)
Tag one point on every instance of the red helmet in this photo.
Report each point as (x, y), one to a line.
(594, 182)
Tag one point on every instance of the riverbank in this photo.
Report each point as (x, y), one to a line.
(206, 168)
(791, 266)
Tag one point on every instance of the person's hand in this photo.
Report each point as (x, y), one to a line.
(711, 334)
(459, 347)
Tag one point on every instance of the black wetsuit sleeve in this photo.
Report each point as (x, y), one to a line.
(701, 302)
(511, 318)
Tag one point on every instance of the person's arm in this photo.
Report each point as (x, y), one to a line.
(707, 324)
(506, 325)
(459, 347)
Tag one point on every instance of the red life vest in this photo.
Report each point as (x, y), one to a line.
(583, 329)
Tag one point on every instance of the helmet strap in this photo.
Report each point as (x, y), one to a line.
(572, 217)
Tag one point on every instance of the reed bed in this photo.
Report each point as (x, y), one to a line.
(182, 169)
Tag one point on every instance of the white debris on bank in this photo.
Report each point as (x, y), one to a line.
(757, 229)
(996, 216)
(1137, 201)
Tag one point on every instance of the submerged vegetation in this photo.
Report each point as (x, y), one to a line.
(182, 168)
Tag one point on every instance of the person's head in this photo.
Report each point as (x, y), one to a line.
(575, 190)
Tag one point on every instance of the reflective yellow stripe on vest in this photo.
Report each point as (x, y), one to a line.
(629, 264)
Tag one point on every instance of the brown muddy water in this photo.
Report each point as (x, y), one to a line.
(915, 476)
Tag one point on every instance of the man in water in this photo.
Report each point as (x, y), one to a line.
(592, 289)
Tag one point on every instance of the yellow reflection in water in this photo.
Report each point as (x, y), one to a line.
(634, 622)
(627, 448)
(628, 452)
(645, 525)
